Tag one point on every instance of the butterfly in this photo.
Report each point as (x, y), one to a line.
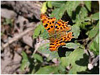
(58, 31)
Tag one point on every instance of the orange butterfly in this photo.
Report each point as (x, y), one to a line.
(57, 31)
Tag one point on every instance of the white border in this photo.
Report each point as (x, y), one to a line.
(48, 0)
(99, 36)
(0, 37)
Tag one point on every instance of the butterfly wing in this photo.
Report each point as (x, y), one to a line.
(48, 23)
(55, 44)
(62, 26)
(57, 31)
(66, 37)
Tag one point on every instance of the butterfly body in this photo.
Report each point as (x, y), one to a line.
(57, 31)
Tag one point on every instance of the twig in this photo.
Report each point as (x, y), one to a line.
(93, 63)
(36, 47)
(19, 36)
(95, 60)
(40, 43)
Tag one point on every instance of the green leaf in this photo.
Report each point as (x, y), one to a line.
(92, 33)
(44, 49)
(76, 30)
(37, 31)
(40, 30)
(95, 16)
(38, 57)
(58, 4)
(71, 6)
(81, 15)
(88, 5)
(61, 69)
(8, 21)
(47, 70)
(94, 45)
(25, 62)
(44, 7)
(49, 4)
(77, 59)
(58, 12)
(72, 57)
(1, 33)
(44, 34)
(72, 45)
(84, 24)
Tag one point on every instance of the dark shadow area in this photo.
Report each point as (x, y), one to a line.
(94, 6)
(33, 19)
(82, 35)
(34, 42)
(76, 12)
(62, 51)
(66, 17)
(95, 70)
(83, 61)
(6, 7)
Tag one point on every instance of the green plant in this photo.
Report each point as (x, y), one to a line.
(85, 25)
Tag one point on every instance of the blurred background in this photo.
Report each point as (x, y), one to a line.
(25, 44)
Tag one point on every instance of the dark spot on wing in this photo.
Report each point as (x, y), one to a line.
(51, 26)
(59, 24)
(60, 42)
(52, 21)
(45, 25)
(61, 39)
(57, 41)
(60, 27)
(51, 44)
(48, 29)
(56, 26)
(47, 21)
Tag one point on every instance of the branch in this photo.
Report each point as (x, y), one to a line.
(19, 36)
(93, 63)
